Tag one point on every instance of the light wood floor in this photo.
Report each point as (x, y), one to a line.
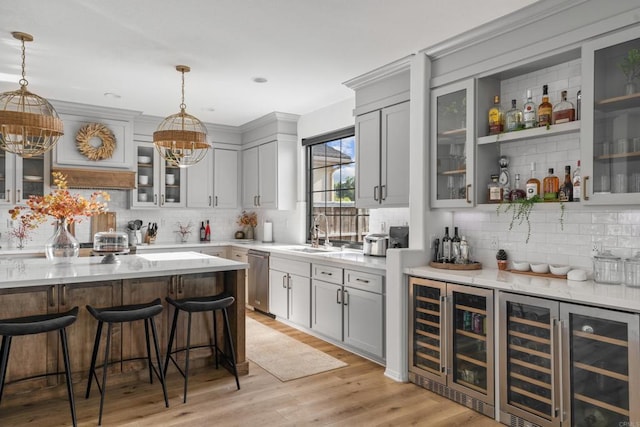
(357, 395)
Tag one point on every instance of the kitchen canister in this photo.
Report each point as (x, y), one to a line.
(607, 269)
(632, 271)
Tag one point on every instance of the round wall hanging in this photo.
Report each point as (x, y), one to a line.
(96, 130)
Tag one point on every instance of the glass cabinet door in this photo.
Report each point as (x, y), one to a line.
(147, 188)
(471, 357)
(32, 175)
(452, 145)
(427, 327)
(602, 366)
(529, 381)
(612, 129)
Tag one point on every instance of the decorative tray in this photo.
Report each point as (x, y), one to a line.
(531, 273)
(447, 266)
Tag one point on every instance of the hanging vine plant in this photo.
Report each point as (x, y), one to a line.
(520, 211)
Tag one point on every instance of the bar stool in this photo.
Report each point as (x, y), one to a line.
(195, 305)
(119, 314)
(39, 324)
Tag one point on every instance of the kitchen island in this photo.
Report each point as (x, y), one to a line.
(35, 286)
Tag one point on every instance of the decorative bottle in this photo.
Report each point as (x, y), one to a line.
(517, 193)
(533, 184)
(529, 112)
(565, 194)
(455, 246)
(207, 232)
(495, 190)
(563, 111)
(577, 183)
(550, 187)
(446, 246)
(545, 108)
(202, 231)
(496, 117)
(513, 118)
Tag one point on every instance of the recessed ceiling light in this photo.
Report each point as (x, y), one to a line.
(112, 95)
(209, 109)
(260, 79)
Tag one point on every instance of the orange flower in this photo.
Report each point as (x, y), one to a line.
(248, 219)
(60, 204)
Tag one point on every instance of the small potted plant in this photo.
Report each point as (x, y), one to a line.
(630, 66)
(501, 256)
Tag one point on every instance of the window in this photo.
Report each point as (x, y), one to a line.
(331, 187)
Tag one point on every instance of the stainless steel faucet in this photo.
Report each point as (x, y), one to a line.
(314, 232)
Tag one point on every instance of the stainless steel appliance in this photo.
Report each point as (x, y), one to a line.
(375, 244)
(258, 282)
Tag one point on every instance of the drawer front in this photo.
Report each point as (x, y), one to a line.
(239, 255)
(299, 268)
(327, 273)
(365, 281)
(220, 251)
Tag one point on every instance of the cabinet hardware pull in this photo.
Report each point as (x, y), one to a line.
(284, 285)
(52, 296)
(209, 200)
(361, 280)
(584, 188)
(466, 195)
(288, 281)
(18, 198)
(162, 200)
(173, 284)
(255, 198)
(443, 333)
(8, 200)
(338, 301)
(560, 370)
(181, 284)
(375, 193)
(346, 297)
(383, 192)
(216, 201)
(327, 273)
(552, 366)
(64, 295)
(258, 200)
(155, 199)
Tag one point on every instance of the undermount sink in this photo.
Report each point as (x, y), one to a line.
(309, 250)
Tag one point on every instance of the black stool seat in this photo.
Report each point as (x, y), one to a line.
(198, 304)
(119, 314)
(40, 323)
(37, 324)
(127, 313)
(195, 305)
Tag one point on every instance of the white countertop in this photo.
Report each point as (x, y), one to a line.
(21, 272)
(619, 297)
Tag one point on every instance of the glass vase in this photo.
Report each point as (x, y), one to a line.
(62, 247)
(248, 232)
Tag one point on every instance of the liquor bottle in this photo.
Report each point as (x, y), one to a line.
(513, 118)
(533, 184)
(577, 182)
(579, 105)
(455, 246)
(517, 193)
(545, 108)
(565, 194)
(563, 111)
(464, 251)
(496, 117)
(446, 246)
(207, 232)
(202, 231)
(550, 186)
(495, 190)
(529, 112)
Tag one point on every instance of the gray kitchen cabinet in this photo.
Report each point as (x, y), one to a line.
(290, 290)
(348, 306)
(225, 178)
(200, 182)
(158, 184)
(382, 157)
(23, 177)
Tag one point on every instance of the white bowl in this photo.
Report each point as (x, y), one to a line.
(540, 268)
(559, 270)
(144, 159)
(521, 265)
(142, 197)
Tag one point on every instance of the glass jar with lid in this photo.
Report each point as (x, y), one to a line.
(632, 271)
(607, 268)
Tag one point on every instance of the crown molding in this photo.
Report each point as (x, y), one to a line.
(393, 68)
(275, 116)
(77, 109)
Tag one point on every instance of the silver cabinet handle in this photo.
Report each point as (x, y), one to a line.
(162, 200)
(554, 355)
(255, 200)
(443, 334)
(63, 295)
(284, 285)
(361, 280)
(8, 199)
(326, 273)
(210, 201)
(258, 200)
(375, 193)
(18, 197)
(155, 199)
(466, 195)
(383, 192)
(52, 296)
(585, 193)
(216, 201)
(346, 297)
(338, 301)
(560, 370)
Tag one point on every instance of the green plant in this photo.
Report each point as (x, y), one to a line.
(630, 65)
(520, 210)
(501, 255)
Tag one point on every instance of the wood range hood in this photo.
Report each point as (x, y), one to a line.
(98, 178)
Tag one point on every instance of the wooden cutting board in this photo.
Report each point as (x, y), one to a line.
(103, 222)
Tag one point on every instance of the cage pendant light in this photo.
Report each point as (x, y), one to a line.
(29, 125)
(181, 139)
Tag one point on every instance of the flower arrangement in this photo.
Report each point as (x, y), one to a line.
(21, 233)
(60, 204)
(248, 219)
(184, 230)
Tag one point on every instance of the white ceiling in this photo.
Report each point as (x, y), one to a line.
(305, 48)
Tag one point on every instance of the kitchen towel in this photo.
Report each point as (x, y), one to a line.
(268, 232)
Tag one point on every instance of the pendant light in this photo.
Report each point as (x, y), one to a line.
(181, 139)
(29, 125)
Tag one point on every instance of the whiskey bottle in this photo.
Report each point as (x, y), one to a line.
(496, 117)
(533, 184)
(446, 246)
(545, 108)
(529, 112)
(563, 111)
(577, 183)
(550, 187)
(565, 194)
(495, 190)
(517, 193)
(513, 118)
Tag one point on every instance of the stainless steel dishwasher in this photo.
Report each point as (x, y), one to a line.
(258, 285)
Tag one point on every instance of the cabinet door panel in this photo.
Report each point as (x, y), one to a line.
(278, 294)
(200, 183)
(225, 179)
(300, 300)
(394, 172)
(268, 175)
(368, 160)
(326, 309)
(364, 320)
(249, 177)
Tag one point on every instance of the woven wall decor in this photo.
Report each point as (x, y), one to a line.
(96, 130)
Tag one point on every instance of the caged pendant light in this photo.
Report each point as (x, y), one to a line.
(181, 139)
(29, 125)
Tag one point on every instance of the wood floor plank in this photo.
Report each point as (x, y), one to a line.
(356, 395)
